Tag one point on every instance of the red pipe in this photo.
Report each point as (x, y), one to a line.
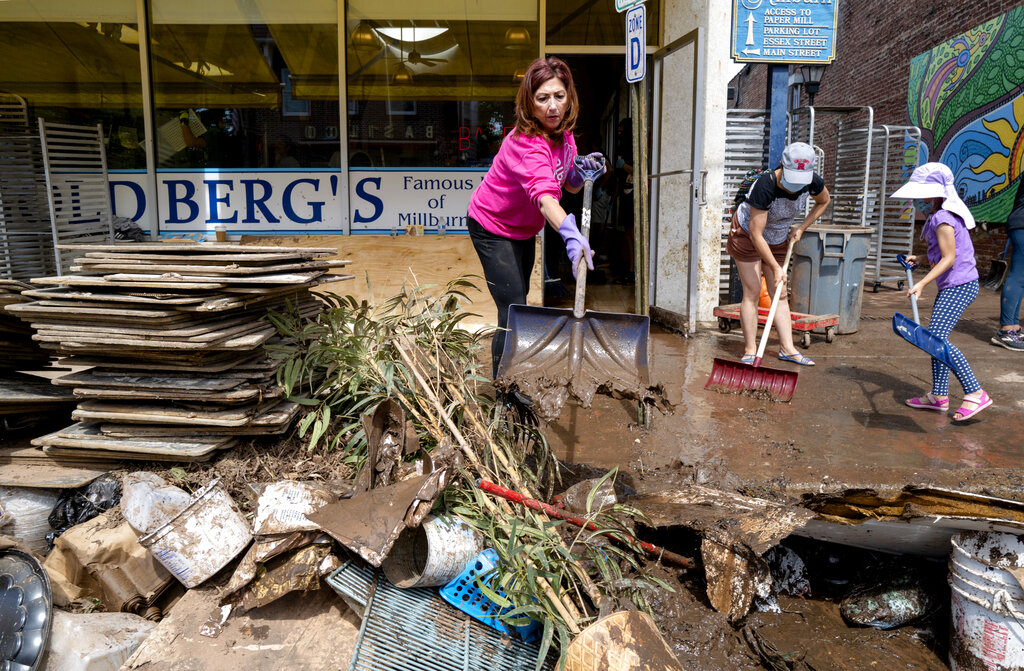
(551, 511)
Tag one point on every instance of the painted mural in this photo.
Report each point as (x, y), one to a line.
(967, 96)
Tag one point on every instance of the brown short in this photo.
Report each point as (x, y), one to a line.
(741, 247)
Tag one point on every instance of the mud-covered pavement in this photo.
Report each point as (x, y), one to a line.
(846, 427)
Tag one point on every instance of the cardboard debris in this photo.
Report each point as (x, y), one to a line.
(730, 518)
(299, 631)
(389, 438)
(370, 522)
(736, 531)
(102, 559)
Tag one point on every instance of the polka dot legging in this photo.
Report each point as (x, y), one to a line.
(949, 305)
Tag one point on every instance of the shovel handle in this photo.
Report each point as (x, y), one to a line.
(588, 194)
(910, 283)
(581, 270)
(775, 304)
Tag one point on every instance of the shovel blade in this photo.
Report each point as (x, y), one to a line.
(735, 377)
(996, 275)
(922, 338)
(550, 347)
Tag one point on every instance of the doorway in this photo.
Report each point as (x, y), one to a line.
(604, 103)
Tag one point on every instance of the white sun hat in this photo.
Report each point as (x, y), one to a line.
(935, 180)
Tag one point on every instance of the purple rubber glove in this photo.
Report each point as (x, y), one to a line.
(594, 161)
(576, 245)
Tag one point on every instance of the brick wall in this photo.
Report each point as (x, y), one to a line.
(876, 39)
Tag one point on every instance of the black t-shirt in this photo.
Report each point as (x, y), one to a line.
(765, 191)
(1016, 218)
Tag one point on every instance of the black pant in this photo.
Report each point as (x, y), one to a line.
(507, 267)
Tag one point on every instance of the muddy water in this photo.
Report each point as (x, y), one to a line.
(845, 427)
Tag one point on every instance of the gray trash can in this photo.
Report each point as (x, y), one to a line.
(828, 272)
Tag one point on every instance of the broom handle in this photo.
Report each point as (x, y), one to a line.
(775, 304)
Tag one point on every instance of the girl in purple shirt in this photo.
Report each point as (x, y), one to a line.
(953, 269)
(522, 188)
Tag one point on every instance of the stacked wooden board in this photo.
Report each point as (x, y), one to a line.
(167, 340)
(25, 399)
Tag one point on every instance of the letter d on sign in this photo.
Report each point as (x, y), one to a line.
(636, 44)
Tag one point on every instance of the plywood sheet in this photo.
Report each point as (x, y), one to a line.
(87, 436)
(185, 268)
(272, 420)
(114, 380)
(181, 362)
(388, 263)
(290, 279)
(50, 474)
(68, 293)
(242, 394)
(198, 248)
(99, 345)
(30, 391)
(132, 413)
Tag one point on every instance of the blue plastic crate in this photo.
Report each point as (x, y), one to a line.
(463, 593)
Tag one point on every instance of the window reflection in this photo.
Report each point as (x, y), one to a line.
(246, 88)
(70, 67)
(434, 92)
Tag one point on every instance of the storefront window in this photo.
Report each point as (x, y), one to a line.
(592, 23)
(249, 85)
(433, 83)
(77, 63)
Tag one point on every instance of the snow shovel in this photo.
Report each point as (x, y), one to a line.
(997, 272)
(551, 351)
(735, 376)
(912, 331)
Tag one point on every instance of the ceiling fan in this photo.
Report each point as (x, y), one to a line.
(416, 58)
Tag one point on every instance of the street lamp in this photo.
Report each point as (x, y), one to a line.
(812, 79)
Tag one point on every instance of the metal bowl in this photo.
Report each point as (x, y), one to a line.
(25, 611)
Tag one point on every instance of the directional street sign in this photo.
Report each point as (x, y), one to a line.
(636, 44)
(623, 5)
(784, 31)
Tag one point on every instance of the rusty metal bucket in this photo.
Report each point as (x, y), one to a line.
(550, 352)
(623, 641)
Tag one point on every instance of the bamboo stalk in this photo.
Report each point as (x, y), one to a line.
(588, 584)
(566, 608)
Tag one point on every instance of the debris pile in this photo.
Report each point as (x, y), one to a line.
(173, 335)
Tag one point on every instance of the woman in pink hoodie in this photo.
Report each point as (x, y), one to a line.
(523, 186)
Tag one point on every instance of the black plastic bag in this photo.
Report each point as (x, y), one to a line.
(82, 504)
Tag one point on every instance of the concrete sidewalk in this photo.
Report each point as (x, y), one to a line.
(847, 425)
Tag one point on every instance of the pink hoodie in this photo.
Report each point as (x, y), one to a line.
(507, 201)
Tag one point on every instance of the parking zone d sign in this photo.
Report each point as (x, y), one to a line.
(636, 44)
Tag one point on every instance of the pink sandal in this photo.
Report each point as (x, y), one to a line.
(929, 402)
(963, 412)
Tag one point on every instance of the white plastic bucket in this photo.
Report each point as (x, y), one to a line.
(433, 553)
(987, 603)
(990, 576)
(202, 538)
